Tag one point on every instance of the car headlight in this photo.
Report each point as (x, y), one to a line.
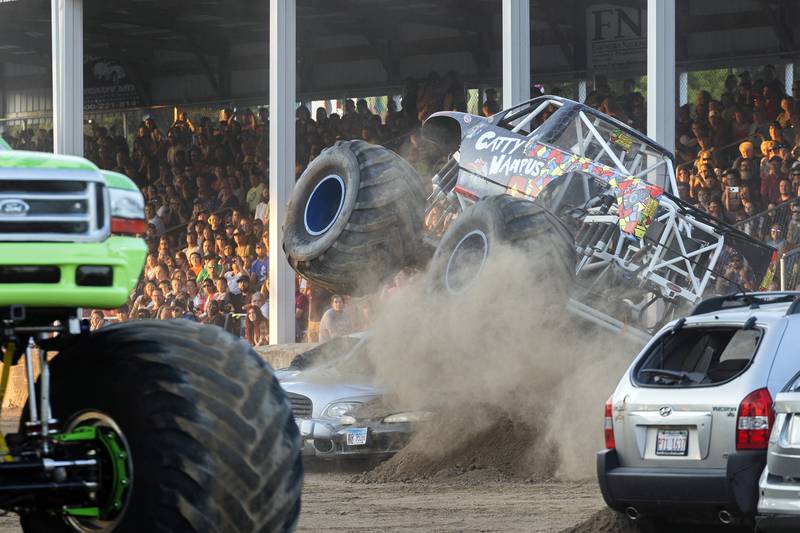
(408, 417)
(126, 204)
(127, 212)
(347, 420)
(338, 409)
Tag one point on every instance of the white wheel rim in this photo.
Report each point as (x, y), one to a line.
(100, 420)
(473, 239)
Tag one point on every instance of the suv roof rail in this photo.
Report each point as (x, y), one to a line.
(744, 299)
(794, 308)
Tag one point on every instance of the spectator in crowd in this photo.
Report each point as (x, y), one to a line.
(777, 239)
(303, 324)
(97, 320)
(335, 322)
(259, 269)
(214, 315)
(737, 275)
(259, 300)
(256, 328)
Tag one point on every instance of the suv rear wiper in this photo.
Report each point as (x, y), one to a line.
(678, 375)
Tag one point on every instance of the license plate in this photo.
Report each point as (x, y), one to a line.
(356, 436)
(672, 442)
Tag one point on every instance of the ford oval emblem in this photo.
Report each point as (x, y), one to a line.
(665, 411)
(14, 207)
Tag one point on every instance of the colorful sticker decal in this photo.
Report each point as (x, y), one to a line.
(524, 167)
(770, 274)
(637, 199)
(637, 202)
(621, 139)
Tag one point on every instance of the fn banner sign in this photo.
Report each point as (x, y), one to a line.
(617, 38)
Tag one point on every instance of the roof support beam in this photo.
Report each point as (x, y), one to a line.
(67, 22)
(782, 31)
(516, 52)
(282, 71)
(661, 72)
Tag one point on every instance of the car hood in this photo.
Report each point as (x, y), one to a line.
(324, 392)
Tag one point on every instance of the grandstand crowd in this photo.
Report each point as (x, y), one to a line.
(205, 182)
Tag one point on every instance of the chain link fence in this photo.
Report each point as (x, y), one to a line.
(779, 226)
(790, 270)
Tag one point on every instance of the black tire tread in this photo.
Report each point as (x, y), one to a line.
(220, 425)
(521, 224)
(384, 230)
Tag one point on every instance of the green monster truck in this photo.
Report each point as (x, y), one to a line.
(139, 426)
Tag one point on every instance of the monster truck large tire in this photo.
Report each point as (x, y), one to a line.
(213, 443)
(355, 217)
(492, 223)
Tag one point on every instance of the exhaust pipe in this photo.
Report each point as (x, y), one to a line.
(324, 445)
(632, 513)
(725, 517)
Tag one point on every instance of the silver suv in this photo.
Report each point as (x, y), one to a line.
(779, 505)
(687, 428)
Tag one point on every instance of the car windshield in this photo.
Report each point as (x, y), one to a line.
(325, 352)
(698, 356)
(343, 356)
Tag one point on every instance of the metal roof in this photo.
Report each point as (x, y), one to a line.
(183, 50)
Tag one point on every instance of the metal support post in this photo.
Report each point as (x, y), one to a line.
(67, 40)
(44, 398)
(683, 88)
(282, 71)
(516, 52)
(32, 409)
(788, 77)
(661, 72)
(582, 93)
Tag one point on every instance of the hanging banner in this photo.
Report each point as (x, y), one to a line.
(616, 38)
(106, 85)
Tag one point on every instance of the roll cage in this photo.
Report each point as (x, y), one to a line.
(636, 243)
(556, 119)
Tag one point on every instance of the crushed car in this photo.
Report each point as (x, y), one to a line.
(372, 430)
(340, 410)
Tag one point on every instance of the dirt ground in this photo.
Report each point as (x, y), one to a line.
(332, 503)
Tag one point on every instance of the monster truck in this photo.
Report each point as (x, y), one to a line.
(591, 195)
(139, 426)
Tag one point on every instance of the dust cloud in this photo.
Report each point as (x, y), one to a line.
(517, 384)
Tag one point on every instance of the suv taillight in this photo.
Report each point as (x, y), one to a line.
(754, 421)
(608, 426)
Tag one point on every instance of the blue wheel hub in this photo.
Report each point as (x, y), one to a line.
(324, 205)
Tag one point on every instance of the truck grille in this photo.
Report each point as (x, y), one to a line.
(301, 405)
(53, 205)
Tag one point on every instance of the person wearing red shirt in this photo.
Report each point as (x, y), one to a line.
(300, 315)
(770, 180)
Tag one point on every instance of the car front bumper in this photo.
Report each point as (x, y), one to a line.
(125, 256)
(779, 504)
(327, 438)
(688, 490)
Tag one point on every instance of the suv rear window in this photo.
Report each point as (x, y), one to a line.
(696, 357)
